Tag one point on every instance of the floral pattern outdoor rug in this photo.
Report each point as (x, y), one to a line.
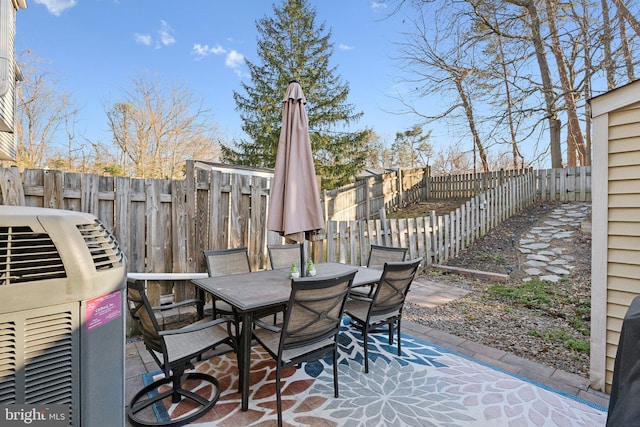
(427, 386)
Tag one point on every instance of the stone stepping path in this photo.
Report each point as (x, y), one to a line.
(543, 247)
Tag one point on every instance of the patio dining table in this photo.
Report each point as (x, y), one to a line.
(252, 292)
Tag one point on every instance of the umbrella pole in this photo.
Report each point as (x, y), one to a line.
(303, 266)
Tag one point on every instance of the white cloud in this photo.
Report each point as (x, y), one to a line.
(166, 34)
(205, 50)
(378, 5)
(234, 59)
(144, 39)
(342, 46)
(56, 7)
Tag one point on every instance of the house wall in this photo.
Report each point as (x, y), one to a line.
(8, 69)
(615, 223)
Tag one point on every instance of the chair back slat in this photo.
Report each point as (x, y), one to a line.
(223, 262)
(315, 309)
(142, 312)
(282, 256)
(379, 255)
(393, 287)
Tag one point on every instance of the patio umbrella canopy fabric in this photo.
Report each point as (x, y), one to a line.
(294, 208)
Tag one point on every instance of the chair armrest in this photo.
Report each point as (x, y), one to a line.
(197, 326)
(267, 326)
(176, 304)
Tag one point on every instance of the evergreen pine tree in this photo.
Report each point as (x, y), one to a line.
(292, 47)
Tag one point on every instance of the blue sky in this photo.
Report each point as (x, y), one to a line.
(94, 47)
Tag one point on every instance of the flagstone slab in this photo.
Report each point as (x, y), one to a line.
(537, 246)
(558, 270)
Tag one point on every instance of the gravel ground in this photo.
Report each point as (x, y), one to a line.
(552, 329)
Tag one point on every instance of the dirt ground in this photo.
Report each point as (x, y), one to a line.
(537, 333)
(441, 207)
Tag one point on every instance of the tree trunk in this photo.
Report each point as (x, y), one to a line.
(606, 42)
(575, 140)
(586, 36)
(468, 109)
(624, 45)
(515, 152)
(622, 10)
(547, 83)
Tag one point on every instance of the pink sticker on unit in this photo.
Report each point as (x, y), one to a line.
(104, 309)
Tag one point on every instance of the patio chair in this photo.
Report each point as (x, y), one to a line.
(282, 256)
(226, 262)
(384, 308)
(160, 310)
(223, 262)
(378, 256)
(174, 352)
(311, 325)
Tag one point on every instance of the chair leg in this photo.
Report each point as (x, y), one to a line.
(335, 372)
(365, 335)
(399, 342)
(278, 395)
(177, 385)
(214, 311)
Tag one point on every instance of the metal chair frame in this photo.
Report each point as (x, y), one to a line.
(311, 326)
(378, 256)
(384, 308)
(174, 351)
(221, 262)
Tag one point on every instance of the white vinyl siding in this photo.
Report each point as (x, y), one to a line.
(8, 65)
(623, 231)
(616, 224)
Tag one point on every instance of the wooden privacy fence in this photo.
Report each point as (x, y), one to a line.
(163, 225)
(469, 184)
(368, 194)
(564, 184)
(390, 190)
(572, 184)
(160, 225)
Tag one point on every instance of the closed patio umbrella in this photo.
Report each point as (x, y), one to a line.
(294, 207)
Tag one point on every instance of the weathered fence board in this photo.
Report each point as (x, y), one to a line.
(11, 187)
(53, 182)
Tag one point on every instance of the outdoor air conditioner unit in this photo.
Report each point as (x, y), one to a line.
(62, 315)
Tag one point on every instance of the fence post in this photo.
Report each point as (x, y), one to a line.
(427, 183)
(367, 198)
(399, 186)
(383, 222)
